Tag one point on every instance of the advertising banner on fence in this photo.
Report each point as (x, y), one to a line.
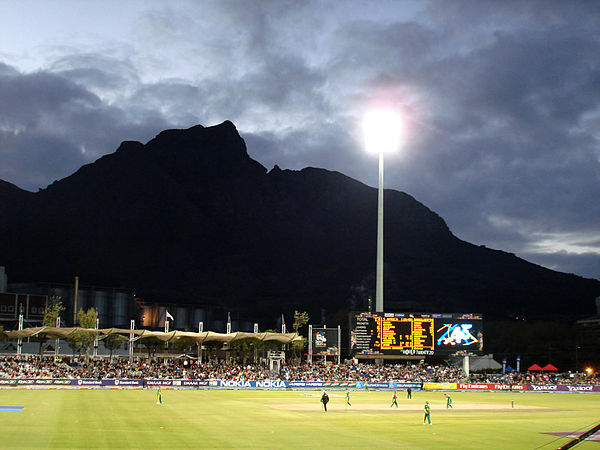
(117, 382)
(387, 385)
(249, 384)
(305, 384)
(435, 386)
(404, 385)
(279, 384)
(35, 382)
(125, 382)
(339, 384)
(160, 382)
(562, 388)
(491, 387)
(175, 383)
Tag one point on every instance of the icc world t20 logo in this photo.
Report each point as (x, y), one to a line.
(320, 339)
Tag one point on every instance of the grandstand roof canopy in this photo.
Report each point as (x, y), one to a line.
(207, 336)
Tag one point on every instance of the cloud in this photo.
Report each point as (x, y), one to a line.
(7, 70)
(507, 135)
(50, 126)
(500, 99)
(109, 77)
(583, 264)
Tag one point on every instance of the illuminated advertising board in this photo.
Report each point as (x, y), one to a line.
(325, 341)
(396, 334)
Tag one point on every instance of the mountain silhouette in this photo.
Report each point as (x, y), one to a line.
(189, 217)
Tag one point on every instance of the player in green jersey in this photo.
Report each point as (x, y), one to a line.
(348, 398)
(394, 400)
(158, 397)
(448, 401)
(427, 417)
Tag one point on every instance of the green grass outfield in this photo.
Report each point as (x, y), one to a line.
(89, 418)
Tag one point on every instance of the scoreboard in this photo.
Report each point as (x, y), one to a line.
(397, 334)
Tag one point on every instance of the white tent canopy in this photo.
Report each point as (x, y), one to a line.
(484, 362)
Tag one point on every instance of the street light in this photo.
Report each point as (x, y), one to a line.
(383, 129)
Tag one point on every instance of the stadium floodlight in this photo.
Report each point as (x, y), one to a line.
(382, 131)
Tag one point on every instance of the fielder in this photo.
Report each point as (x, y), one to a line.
(158, 397)
(427, 417)
(448, 401)
(348, 398)
(394, 400)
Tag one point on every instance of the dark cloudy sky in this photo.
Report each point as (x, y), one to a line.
(501, 99)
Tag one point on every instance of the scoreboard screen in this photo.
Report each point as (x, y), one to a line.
(381, 334)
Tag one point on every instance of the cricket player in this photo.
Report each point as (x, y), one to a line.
(394, 400)
(427, 417)
(348, 398)
(448, 401)
(159, 397)
(325, 400)
(409, 392)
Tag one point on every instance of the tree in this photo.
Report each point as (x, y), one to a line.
(184, 344)
(265, 346)
(2, 335)
(152, 344)
(245, 347)
(298, 347)
(300, 319)
(84, 339)
(52, 311)
(73, 343)
(113, 342)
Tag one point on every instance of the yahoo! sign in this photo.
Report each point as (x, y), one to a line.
(585, 388)
(563, 388)
(490, 387)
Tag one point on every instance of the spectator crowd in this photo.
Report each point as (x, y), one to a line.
(29, 366)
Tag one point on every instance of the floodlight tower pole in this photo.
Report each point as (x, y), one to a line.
(57, 341)
(382, 135)
(96, 340)
(20, 340)
(310, 349)
(379, 274)
(131, 334)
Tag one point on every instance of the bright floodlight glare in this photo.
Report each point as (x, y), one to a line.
(383, 129)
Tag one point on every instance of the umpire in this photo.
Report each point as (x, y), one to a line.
(325, 400)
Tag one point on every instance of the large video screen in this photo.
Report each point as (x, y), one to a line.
(396, 334)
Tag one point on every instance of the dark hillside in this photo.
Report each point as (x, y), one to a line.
(190, 217)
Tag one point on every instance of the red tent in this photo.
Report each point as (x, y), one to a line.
(535, 367)
(550, 368)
